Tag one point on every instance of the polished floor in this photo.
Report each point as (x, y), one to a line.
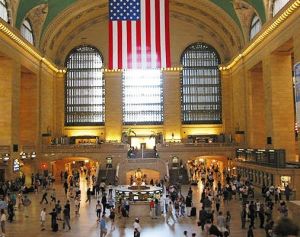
(85, 225)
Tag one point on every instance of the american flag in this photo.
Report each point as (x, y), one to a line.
(139, 36)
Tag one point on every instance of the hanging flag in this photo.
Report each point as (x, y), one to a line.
(139, 36)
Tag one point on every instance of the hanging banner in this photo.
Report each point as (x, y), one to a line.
(297, 92)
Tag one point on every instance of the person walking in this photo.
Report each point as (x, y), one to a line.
(169, 213)
(88, 196)
(43, 219)
(137, 228)
(112, 216)
(98, 210)
(10, 211)
(53, 220)
(66, 213)
(250, 231)
(243, 216)
(103, 227)
(3, 220)
(44, 198)
(58, 210)
(26, 203)
(104, 202)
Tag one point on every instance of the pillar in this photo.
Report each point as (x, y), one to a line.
(256, 115)
(279, 102)
(10, 73)
(113, 105)
(227, 103)
(172, 105)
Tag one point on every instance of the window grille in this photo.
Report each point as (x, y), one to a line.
(255, 26)
(26, 31)
(278, 5)
(3, 10)
(142, 97)
(84, 88)
(201, 85)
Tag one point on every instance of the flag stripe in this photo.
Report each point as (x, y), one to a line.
(110, 47)
(162, 34)
(157, 33)
(115, 44)
(138, 44)
(153, 35)
(148, 34)
(124, 44)
(120, 41)
(143, 34)
(129, 44)
(167, 33)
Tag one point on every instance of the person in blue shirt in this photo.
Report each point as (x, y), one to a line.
(103, 227)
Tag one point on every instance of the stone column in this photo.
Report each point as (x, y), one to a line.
(256, 112)
(59, 105)
(10, 73)
(113, 105)
(226, 92)
(279, 103)
(172, 105)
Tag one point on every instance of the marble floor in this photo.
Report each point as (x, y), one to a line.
(85, 225)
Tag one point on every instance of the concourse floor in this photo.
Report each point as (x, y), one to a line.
(85, 225)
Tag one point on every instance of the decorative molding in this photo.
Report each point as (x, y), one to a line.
(19, 41)
(265, 33)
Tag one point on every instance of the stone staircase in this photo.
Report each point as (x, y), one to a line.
(107, 175)
(178, 175)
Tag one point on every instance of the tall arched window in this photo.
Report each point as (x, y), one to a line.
(255, 26)
(84, 87)
(3, 10)
(26, 31)
(142, 97)
(200, 85)
(278, 5)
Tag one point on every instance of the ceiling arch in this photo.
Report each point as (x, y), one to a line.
(58, 6)
(208, 21)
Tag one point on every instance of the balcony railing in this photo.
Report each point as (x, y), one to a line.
(84, 148)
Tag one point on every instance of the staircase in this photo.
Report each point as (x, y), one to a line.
(107, 175)
(178, 175)
(147, 153)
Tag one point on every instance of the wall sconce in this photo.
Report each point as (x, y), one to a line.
(6, 157)
(33, 155)
(24, 156)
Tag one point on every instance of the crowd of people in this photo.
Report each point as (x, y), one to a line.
(214, 219)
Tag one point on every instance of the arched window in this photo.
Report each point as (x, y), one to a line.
(200, 85)
(278, 5)
(255, 26)
(142, 97)
(84, 87)
(26, 31)
(3, 10)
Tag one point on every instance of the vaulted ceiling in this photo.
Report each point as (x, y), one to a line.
(61, 24)
(55, 7)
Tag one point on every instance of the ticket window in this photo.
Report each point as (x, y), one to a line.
(285, 180)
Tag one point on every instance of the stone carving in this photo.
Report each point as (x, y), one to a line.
(37, 17)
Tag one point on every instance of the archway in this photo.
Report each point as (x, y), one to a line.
(73, 163)
(220, 164)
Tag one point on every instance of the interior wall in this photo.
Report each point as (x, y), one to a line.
(28, 118)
